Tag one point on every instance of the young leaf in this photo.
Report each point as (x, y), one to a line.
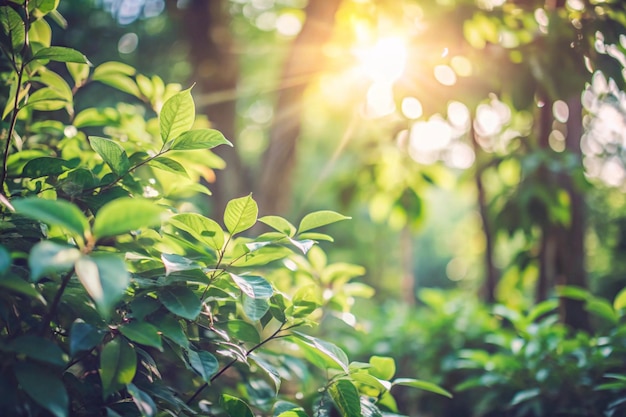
(253, 286)
(83, 337)
(145, 404)
(382, 367)
(47, 256)
(112, 154)
(181, 301)
(177, 115)
(235, 407)
(319, 219)
(240, 214)
(126, 214)
(105, 278)
(204, 363)
(78, 72)
(118, 364)
(279, 224)
(142, 333)
(47, 99)
(54, 212)
(60, 54)
(424, 385)
(43, 387)
(346, 398)
(199, 139)
(202, 228)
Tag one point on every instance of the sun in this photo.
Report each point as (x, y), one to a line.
(383, 61)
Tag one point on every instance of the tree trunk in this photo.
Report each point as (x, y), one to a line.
(305, 59)
(206, 26)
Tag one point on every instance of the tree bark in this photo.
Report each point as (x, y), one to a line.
(305, 59)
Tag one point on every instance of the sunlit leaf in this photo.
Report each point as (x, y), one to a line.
(331, 356)
(202, 228)
(168, 164)
(382, 367)
(242, 331)
(346, 398)
(176, 263)
(319, 219)
(423, 385)
(240, 214)
(111, 153)
(105, 278)
(118, 364)
(54, 212)
(126, 214)
(47, 256)
(255, 308)
(235, 407)
(620, 300)
(253, 286)
(177, 115)
(279, 224)
(60, 54)
(142, 333)
(199, 139)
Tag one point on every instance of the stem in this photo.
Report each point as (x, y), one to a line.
(45, 323)
(232, 362)
(20, 74)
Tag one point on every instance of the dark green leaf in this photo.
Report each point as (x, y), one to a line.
(253, 286)
(240, 214)
(83, 337)
(111, 153)
(43, 387)
(177, 115)
(47, 256)
(126, 214)
(118, 364)
(181, 301)
(37, 348)
(143, 401)
(5, 260)
(319, 219)
(525, 395)
(54, 212)
(18, 285)
(242, 331)
(43, 167)
(142, 333)
(235, 407)
(204, 363)
(423, 385)
(346, 398)
(60, 54)
(199, 139)
(13, 27)
(170, 327)
(105, 278)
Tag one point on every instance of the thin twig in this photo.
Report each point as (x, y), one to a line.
(45, 322)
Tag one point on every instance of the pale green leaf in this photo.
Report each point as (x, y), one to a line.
(620, 300)
(105, 279)
(126, 214)
(177, 115)
(332, 355)
(202, 228)
(175, 263)
(48, 256)
(111, 153)
(60, 54)
(255, 308)
(423, 385)
(240, 214)
(168, 164)
(382, 367)
(319, 219)
(279, 224)
(199, 139)
(242, 331)
(253, 286)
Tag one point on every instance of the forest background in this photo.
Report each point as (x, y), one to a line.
(477, 146)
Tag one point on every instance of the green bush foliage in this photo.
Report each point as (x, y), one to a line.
(118, 296)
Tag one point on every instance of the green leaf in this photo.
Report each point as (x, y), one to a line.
(117, 75)
(168, 164)
(620, 300)
(303, 245)
(204, 363)
(45, 166)
(202, 228)
(255, 308)
(181, 301)
(370, 409)
(602, 308)
(171, 329)
(37, 348)
(47, 256)
(60, 54)
(575, 293)
(47, 99)
(316, 236)
(279, 224)
(272, 373)
(242, 331)
(145, 404)
(5, 260)
(112, 154)
(177, 115)
(346, 398)
(105, 278)
(319, 219)
(56, 83)
(113, 67)
(53, 212)
(176, 263)
(330, 354)
(235, 407)
(253, 286)
(240, 214)
(525, 395)
(199, 139)
(142, 333)
(372, 381)
(83, 337)
(118, 364)
(382, 367)
(423, 385)
(43, 387)
(18, 285)
(78, 72)
(13, 27)
(126, 214)
(40, 32)
(294, 413)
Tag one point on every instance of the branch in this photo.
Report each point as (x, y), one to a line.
(45, 323)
